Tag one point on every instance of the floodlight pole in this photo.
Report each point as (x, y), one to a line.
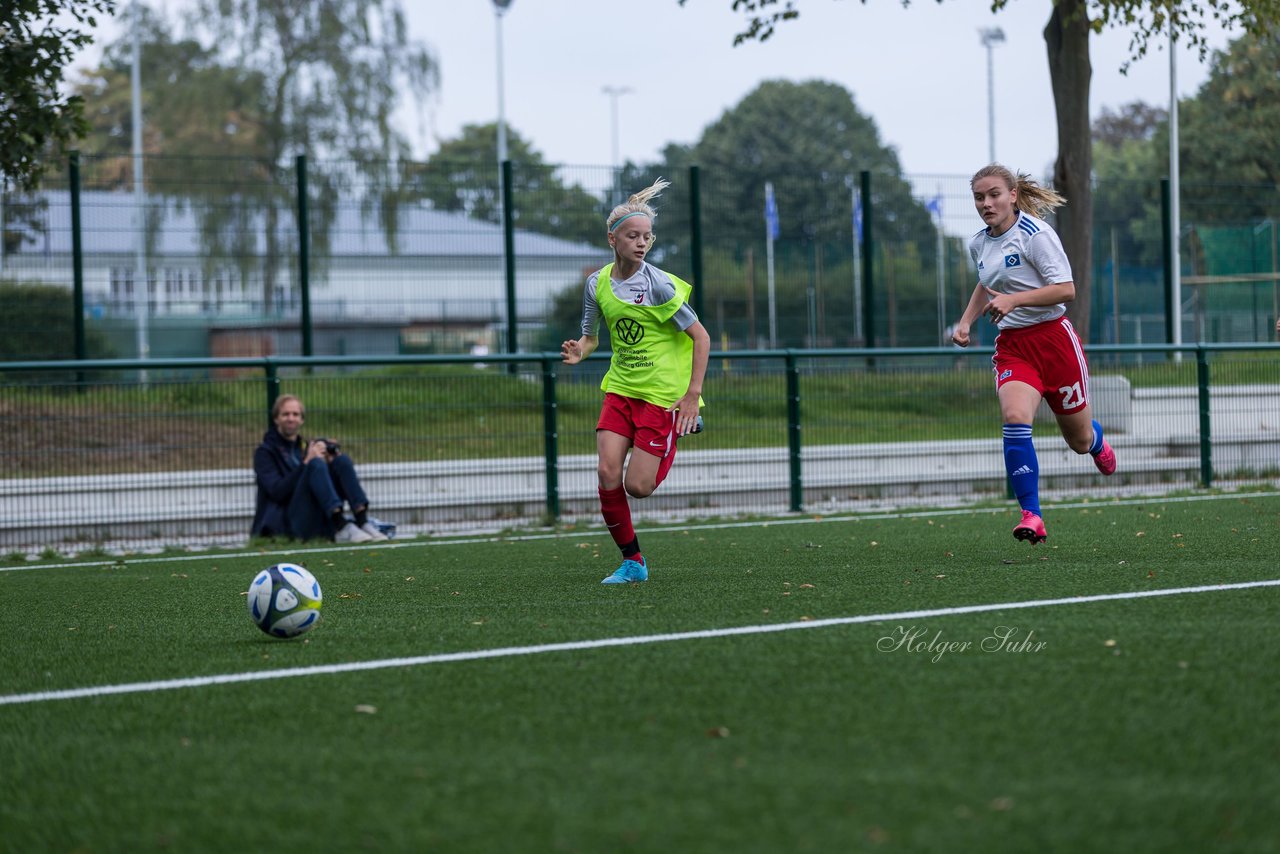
(1175, 223)
(499, 7)
(991, 36)
(614, 92)
(141, 291)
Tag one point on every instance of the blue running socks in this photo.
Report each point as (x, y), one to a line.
(1096, 447)
(1020, 462)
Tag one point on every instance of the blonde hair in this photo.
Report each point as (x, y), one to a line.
(1032, 198)
(282, 400)
(638, 203)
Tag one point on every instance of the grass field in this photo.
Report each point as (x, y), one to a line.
(886, 688)
(396, 413)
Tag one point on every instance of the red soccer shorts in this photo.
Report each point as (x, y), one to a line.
(651, 428)
(1048, 357)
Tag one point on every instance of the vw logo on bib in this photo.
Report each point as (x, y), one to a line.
(629, 331)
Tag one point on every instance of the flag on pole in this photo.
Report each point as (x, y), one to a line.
(934, 206)
(770, 212)
(857, 216)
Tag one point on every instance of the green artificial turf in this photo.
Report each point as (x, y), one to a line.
(1138, 724)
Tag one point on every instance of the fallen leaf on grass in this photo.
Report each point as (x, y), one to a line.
(718, 732)
(349, 596)
(366, 709)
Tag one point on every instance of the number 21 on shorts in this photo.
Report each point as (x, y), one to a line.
(1072, 397)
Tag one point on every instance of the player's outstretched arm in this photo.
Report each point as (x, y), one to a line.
(574, 351)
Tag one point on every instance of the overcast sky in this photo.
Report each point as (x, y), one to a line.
(920, 73)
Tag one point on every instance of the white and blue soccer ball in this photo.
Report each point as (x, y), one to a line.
(284, 600)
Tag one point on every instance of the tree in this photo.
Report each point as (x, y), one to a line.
(193, 107)
(1130, 156)
(1229, 157)
(811, 142)
(332, 74)
(1235, 122)
(1137, 121)
(463, 176)
(35, 116)
(44, 329)
(1067, 42)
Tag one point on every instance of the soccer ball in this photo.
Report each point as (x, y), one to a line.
(284, 600)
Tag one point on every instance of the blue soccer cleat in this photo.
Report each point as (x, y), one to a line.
(631, 570)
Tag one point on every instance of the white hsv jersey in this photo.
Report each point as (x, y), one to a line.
(649, 286)
(1027, 256)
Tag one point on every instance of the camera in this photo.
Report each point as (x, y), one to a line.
(330, 447)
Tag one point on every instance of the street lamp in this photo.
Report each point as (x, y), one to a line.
(614, 92)
(991, 36)
(499, 7)
(141, 287)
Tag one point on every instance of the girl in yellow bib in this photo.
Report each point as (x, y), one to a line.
(654, 384)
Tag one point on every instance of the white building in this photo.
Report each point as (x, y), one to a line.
(444, 268)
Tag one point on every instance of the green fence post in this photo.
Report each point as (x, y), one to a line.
(551, 435)
(509, 255)
(1206, 447)
(304, 255)
(868, 268)
(793, 433)
(273, 385)
(77, 264)
(695, 237)
(1166, 253)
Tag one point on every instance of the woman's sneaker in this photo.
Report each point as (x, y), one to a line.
(631, 570)
(1031, 528)
(1105, 459)
(349, 533)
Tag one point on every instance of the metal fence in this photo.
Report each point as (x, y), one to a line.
(339, 258)
(158, 453)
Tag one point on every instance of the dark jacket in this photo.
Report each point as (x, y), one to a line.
(277, 467)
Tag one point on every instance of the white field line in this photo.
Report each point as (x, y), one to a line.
(510, 651)
(596, 532)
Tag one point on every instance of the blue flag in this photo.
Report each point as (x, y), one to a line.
(770, 212)
(934, 206)
(857, 216)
